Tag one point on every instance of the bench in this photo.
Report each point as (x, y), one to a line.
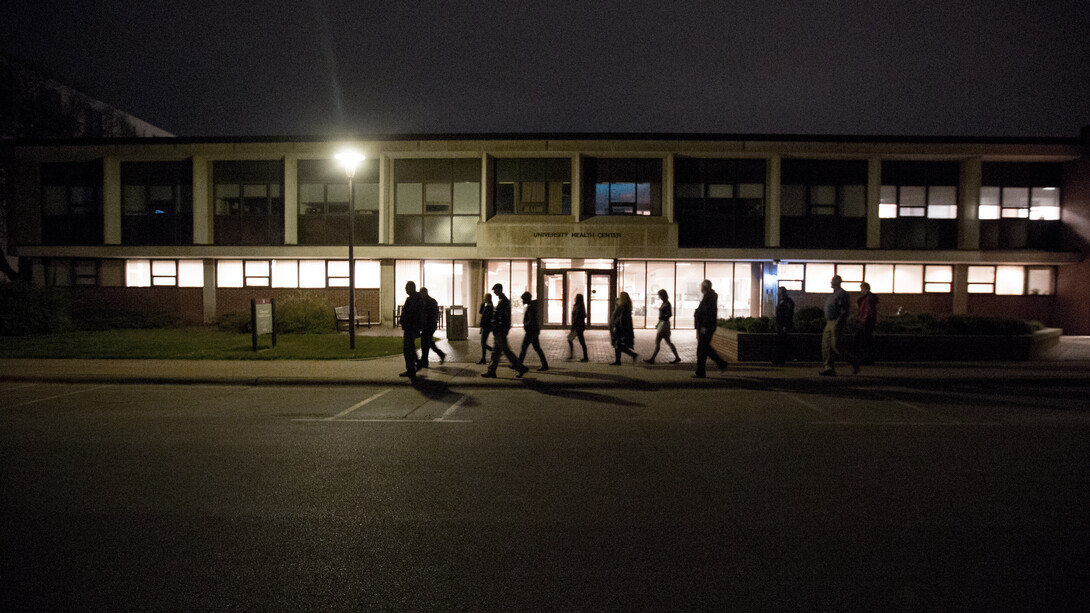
(342, 317)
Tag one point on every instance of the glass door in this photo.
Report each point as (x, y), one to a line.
(577, 284)
(552, 299)
(598, 307)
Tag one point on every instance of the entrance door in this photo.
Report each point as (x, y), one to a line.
(553, 299)
(577, 284)
(598, 309)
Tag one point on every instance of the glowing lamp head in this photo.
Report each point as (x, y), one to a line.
(349, 159)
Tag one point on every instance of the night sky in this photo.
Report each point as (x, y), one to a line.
(335, 67)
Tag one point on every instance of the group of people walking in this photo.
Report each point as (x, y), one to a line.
(420, 318)
(836, 311)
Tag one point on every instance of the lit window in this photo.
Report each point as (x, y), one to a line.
(989, 203)
(852, 276)
(1039, 281)
(792, 276)
(908, 279)
(981, 279)
(190, 273)
(285, 273)
(368, 274)
(137, 273)
(229, 273)
(1010, 280)
(337, 273)
(257, 273)
(818, 277)
(312, 273)
(880, 277)
(1045, 203)
(164, 273)
(938, 279)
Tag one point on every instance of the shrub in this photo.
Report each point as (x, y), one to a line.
(26, 308)
(747, 324)
(809, 320)
(304, 313)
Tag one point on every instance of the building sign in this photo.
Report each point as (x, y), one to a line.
(578, 235)
(598, 238)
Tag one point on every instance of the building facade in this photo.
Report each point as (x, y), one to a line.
(197, 227)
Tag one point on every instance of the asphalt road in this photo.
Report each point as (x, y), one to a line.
(732, 495)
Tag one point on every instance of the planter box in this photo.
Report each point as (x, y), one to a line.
(748, 347)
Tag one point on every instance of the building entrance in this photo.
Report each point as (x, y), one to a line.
(560, 286)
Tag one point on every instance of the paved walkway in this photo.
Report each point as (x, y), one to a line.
(1068, 361)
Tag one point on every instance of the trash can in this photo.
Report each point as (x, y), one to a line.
(457, 324)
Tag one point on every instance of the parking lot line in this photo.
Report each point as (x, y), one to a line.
(23, 404)
(813, 407)
(360, 404)
(450, 411)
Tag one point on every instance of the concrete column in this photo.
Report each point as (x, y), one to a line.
(202, 202)
(577, 188)
(385, 203)
(291, 200)
(668, 188)
(486, 180)
(209, 293)
(388, 294)
(772, 202)
(968, 204)
(874, 191)
(111, 201)
(961, 289)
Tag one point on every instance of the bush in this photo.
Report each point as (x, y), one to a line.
(747, 324)
(304, 313)
(26, 308)
(809, 320)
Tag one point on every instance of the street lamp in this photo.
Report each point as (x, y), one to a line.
(349, 160)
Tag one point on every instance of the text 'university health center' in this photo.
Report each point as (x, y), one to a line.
(197, 227)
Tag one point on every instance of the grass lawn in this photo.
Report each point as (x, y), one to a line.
(194, 344)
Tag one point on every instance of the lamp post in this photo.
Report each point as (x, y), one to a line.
(349, 159)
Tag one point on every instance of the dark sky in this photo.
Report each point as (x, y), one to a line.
(331, 67)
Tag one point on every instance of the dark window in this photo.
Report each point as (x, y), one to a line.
(72, 203)
(436, 201)
(1020, 206)
(532, 186)
(621, 186)
(823, 204)
(323, 203)
(719, 202)
(918, 205)
(156, 203)
(249, 202)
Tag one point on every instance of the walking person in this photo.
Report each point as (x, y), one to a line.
(427, 330)
(578, 327)
(662, 329)
(868, 317)
(412, 317)
(486, 326)
(837, 309)
(501, 325)
(531, 329)
(785, 324)
(620, 329)
(706, 319)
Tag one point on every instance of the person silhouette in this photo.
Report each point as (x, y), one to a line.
(501, 325)
(620, 327)
(578, 327)
(662, 329)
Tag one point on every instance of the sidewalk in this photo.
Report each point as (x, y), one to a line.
(1069, 361)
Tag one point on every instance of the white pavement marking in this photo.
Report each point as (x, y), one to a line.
(901, 402)
(450, 411)
(360, 404)
(928, 424)
(23, 404)
(809, 405)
